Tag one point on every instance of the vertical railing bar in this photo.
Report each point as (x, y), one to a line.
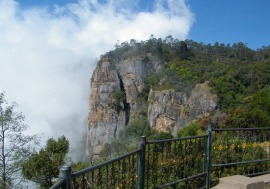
(138, 170)
(208, 158)
(184, 157)
(194, 156)
(175, 159)
(147, 165)
(238, 147)
(129, 176)
(72, 183)
(227, 156)
(107, 175)
(168, 151)
(100, 178)
(141, 163)
(154, 157)
(161, 162)
(84, 181)
(65, 173)
(190, 152)
(118, 173)
(122, 172)
(268, 145)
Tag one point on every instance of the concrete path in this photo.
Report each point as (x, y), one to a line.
(243, 182)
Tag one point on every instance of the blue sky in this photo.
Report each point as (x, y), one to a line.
(227, 21)
(49, 48)
(231, 21)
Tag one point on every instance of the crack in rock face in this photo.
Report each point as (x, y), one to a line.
(114, 102)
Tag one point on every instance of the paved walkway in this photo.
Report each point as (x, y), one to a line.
(243, 182)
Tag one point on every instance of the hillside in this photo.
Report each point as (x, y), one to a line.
(157, 87)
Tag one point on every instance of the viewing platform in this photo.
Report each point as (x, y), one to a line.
(223, 158)
(243, 182)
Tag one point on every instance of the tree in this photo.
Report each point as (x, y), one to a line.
(43, 167)
(16, 147)
(253, 112)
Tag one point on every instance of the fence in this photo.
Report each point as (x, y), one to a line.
(240, 151)
(190, 162)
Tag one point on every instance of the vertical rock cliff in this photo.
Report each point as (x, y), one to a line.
(114, 101)
(170, 110)
(114, 90)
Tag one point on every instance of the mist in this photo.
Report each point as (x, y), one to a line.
(48, 54)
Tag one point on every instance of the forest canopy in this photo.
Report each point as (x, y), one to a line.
(234, 71)
(237, 74)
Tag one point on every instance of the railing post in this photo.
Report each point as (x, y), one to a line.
(208, 156)
(141, 163)
(65, 173)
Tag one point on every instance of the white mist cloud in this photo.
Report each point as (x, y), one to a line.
(47, 55)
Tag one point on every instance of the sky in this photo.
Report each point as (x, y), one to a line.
(49, 48)
(231, 21)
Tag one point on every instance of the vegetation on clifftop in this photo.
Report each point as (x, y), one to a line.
(240, 77)
(236, 72)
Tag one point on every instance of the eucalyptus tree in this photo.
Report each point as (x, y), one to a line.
(15, 145)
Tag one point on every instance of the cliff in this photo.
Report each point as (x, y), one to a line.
(114, 101)
(114, 90)
(170, 111)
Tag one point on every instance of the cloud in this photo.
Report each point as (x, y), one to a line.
(47, 54)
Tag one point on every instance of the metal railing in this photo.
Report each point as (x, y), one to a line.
(176, 163)
(119, 173)
(242, 151)
(190, 162)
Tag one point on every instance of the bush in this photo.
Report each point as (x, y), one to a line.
(137, 128)
(193, 129)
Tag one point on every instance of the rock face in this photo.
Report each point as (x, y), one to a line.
(170, 110)
(103, 122)
(113, 101)
(165, 109)
(108, 114)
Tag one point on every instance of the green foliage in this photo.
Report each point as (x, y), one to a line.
(151, 80)
(128, 139)
(237, 74)
(159, 135)
(193, 129)
(114, 149)
(118, 99)
(228, 148)
(137, 128)
(16, 147)
(43, 167)
(254, 111)
(79, 166)
(235, 71)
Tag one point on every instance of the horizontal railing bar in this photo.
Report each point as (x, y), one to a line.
(176, 139)
(57, 185)
(257, 174)
(89, 169)
(202, 187)
(239, 163)
(241, 129)
(181, 180)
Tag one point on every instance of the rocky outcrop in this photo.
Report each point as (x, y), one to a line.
(164, 109)
(114, 101)
(170, 111)
(104, 122)
(110, 112)
(201, 102)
